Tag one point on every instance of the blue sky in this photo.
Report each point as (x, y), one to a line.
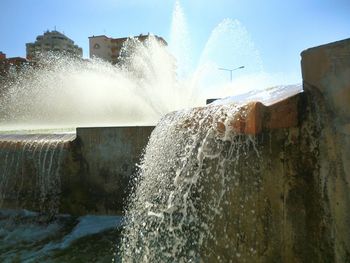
(279, 29)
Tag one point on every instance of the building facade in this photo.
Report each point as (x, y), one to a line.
(2, 56)
(109, 49)
(52, 41)
(10, 68)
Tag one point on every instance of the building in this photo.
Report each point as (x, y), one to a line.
(109, 49)
(10, 68)
(52, 41)
(2, 56)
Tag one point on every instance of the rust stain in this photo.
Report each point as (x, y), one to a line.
(220, 127)
(255, 117)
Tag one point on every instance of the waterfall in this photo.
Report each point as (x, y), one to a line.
(197, 173)
(20, 155)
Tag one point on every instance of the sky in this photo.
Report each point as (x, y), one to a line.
(280, 30)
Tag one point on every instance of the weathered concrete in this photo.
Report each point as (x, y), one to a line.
(293, 199)
(277, 209)
(105, 160)
(258, 117)
(327, 69)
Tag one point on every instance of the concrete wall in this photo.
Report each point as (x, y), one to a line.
(327, 69)
(281, 210)
(103, 161)
(296, 179)
(98, 47)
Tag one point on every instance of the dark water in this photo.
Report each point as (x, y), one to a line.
(30, 237)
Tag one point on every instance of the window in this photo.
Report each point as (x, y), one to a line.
(96, 46)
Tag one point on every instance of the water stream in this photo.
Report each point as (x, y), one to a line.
(34, 160)
(195, 170)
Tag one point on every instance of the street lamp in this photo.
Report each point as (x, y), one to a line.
(226, 69)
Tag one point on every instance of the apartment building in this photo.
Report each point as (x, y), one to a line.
(108, 48)
(52, 41)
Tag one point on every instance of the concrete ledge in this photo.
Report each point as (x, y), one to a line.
(108, 158)
(258, 117)
(327, 68)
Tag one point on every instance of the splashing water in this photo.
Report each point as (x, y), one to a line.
(68, 92)
(195, 171)
(152, 81)
(194, 198)
(180, 44)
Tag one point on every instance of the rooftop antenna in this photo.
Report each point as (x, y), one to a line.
(230, 70)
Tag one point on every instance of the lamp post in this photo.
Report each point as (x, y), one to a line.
(230, 70)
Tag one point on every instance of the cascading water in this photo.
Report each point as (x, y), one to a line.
(195, 197)
(40, 156)
(195, 170)
(206, 192)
